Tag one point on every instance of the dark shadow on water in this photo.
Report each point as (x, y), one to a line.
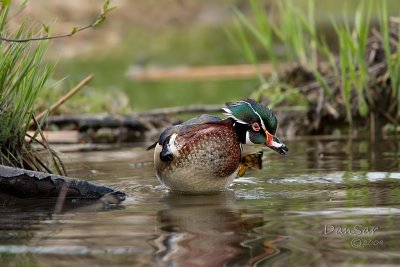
(20, 218)
(49, 205)
(211, 230)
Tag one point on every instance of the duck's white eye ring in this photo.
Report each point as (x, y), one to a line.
(255, 126)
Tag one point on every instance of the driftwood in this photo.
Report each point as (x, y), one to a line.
(200, 73)
(28, 184)
(83, 122)
(103, 128)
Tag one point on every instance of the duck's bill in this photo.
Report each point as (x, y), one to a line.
(275, 144)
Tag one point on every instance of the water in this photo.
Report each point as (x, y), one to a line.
(327, 203)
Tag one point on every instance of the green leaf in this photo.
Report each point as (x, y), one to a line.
(46, 28)
(74, 30)
(99, 20)
(5, 2)
(108, 10)
(106, 3)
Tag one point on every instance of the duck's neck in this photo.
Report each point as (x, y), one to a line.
(241, 130)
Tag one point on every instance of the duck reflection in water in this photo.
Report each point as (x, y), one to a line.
(209, 230)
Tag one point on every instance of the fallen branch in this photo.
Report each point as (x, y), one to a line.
(96, 121)
(24, 183)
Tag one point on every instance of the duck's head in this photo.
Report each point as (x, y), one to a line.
(255, 124)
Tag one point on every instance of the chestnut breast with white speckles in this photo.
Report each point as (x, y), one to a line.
(207, 159)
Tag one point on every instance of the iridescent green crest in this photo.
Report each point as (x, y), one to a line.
(249, 111)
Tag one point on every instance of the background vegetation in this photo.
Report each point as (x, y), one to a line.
(353, 67)
(22, 76)
(175, 33)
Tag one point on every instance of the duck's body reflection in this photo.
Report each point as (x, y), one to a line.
(208, 230)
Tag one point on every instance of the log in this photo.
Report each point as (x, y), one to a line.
(32, 184)
(239, 71)
(105, 128)
(83, 122)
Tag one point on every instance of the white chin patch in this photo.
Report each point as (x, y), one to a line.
(248, 141)
(172, 146)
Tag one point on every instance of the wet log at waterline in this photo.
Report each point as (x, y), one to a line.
(32, 184)
(105, 128)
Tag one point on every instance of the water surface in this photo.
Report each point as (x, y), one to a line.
(326, 203)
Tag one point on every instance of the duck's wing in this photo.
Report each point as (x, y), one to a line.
(184, 128)
(205, 118)
(179, 130)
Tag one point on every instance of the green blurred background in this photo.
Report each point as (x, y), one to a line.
(152, 34)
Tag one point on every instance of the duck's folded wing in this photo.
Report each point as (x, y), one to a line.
(175, 137)
(184, 128)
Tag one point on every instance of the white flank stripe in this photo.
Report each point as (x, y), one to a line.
(248, 141)
(172, 146)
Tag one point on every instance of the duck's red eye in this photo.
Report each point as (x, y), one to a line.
(255, 126)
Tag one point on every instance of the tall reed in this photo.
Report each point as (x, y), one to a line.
(22, 75)
(296, 30)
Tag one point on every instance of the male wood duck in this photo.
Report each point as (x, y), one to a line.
(204, 154)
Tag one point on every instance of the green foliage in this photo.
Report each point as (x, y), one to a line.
(392, 59)
(22, 76)
(295, 29)
(281, 93)
(352, 51)
(289, 27)
(5, 3)
(90, 100)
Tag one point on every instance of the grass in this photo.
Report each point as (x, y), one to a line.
(295, 29)
(22, 76)
(393, 59)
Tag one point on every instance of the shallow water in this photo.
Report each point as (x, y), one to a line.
(326, 203)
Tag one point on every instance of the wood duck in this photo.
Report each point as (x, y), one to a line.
(204, 154)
